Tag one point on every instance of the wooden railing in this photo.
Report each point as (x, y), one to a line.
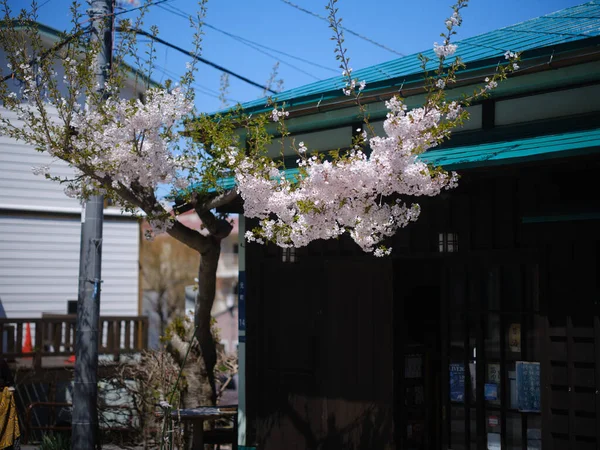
(54, 335)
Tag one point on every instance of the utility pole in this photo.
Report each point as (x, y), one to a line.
(85, 389)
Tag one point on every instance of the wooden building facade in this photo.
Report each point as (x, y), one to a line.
(482, 330)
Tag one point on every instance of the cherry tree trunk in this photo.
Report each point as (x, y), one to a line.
(207, 281)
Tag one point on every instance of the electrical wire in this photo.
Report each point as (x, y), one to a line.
(255, 45)
(181, 13)
(43, 4)
(197, 58)
(347, 30)
(200, 88)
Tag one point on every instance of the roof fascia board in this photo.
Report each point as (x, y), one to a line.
(552, 77)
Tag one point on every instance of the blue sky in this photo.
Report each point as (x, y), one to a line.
(406, 27)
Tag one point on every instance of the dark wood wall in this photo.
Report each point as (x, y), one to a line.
(320, 354)
(320, 330)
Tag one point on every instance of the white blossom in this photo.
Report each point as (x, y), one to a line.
(444, 51)
(276, 114)
(344, 196)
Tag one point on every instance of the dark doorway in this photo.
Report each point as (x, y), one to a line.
(417, 354)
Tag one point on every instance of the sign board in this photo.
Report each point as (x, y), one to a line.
(242, 301)
(491, 391)
(457, 382)
(528, 386)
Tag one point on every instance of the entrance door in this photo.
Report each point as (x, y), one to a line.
(417, 354)
(491, 355)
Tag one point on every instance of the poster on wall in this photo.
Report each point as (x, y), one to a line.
(528, 386)
(413, 366)
(457, 382)
(514, 337)
(493, 378)
(490, 391)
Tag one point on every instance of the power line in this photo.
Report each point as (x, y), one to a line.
(255, 45)
(197, 58)
(43, 4)
(364, 38)
(240, 38)
(202, 89)
(70, 37)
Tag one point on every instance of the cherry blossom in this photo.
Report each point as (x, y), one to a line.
(358, 194)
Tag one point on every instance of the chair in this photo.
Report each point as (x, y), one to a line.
(224, 432)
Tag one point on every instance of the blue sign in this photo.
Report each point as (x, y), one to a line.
(242, 301)
(490, 391)
(528, 386)
(457, 382)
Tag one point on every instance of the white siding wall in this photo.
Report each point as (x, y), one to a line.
(19, 187)
(39, 263)
(40, 232)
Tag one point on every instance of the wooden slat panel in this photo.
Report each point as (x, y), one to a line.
(584, 401)
(585, 426)
(584, 445)
(560, 423)
(558, 351)
(19, 341)
(127, 343)
(57, 336)
(584, 377)
(110, 338)
(137, 336)
(559, 375)
(559, 399)
(560, 443)
(583, 352)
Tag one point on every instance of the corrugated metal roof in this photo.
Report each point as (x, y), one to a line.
(499, 153)
(516, 151)
(561, 27)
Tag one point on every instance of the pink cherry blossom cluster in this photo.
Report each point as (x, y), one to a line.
(358, 194)
(134, 147)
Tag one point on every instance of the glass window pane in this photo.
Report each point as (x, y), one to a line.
(513, 431)
(534, 432)
(473, 433)
(492, 337)
(457, 428)
(493, 289)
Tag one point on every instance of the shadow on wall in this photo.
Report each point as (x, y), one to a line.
(369, 428)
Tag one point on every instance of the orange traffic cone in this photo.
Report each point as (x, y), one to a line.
(27, 346)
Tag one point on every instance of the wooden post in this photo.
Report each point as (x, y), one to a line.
(38, 347)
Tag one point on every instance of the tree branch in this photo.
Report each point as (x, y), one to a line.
(222, 199)
(189, 237)
(218, 228)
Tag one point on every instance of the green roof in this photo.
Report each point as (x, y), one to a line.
(499, 153)
(516, 151)
(565, 28)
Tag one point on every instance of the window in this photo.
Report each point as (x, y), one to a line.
(448, 242)
(288, 255)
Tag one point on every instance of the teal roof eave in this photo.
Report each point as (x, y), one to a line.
(569, 29)
(493, 154)
(516, 151)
